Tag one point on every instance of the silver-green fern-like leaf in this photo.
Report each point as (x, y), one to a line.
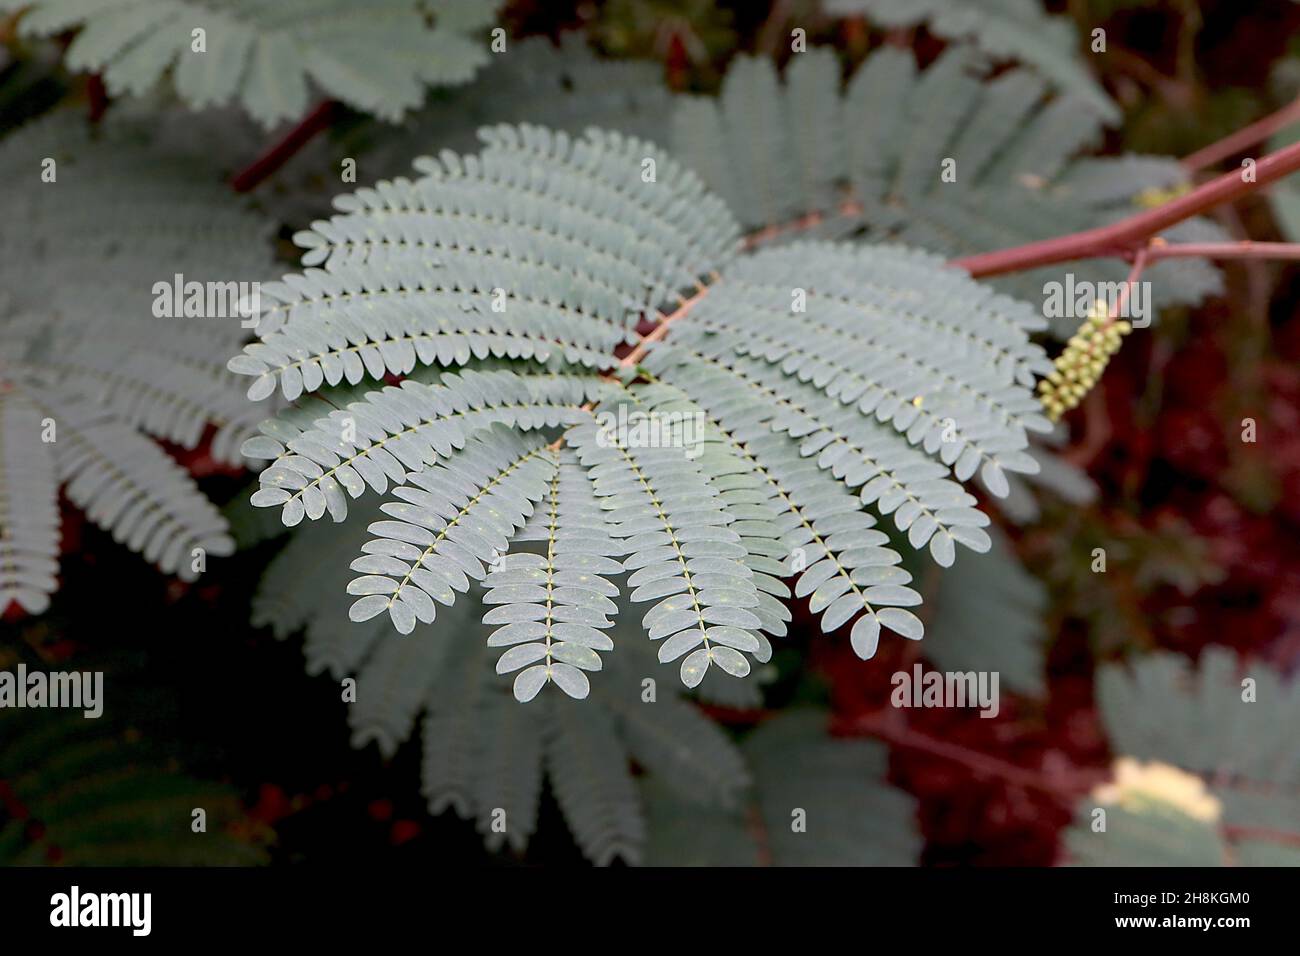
(377, 56)
(800, 393)
(541, 245)
(29, 508)
(129, 486)
(482, 754)
(365, 442)
(940, 158)
(562, 85)
(95, 356)
(448, 521)
(680, 552)
(554, 606)
(1017, 30)
(950, 379)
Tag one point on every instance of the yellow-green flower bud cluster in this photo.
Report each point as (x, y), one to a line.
(1078, 368)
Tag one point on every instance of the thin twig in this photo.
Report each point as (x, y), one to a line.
(769, 37)
(660, 330)
(887, 727)
(1243, 138)
(1171, 90)
(1122, 237)
(1144, 255)
(284, 150)
(1240, 249)
(97, 96)
(846, 209)
(654, 335)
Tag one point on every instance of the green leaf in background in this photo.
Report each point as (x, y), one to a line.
(377, 56)
(818, 801)
(91, 792)
(1015, 30)
(92, 371)
(864, 159)
(1210, 773)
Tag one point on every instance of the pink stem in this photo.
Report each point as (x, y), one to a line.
(279, 154)
(1242, 249)
(1120, 238)
(1243, 138)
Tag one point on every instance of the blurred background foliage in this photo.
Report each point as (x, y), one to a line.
(1199, 527)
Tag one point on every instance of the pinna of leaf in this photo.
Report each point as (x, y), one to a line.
(266, 55)
(499, 285)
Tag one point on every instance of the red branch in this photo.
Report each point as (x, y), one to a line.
(1242, 139)
(1121, 238)
(1241, 249)
(1144, 255)
(279, 154)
